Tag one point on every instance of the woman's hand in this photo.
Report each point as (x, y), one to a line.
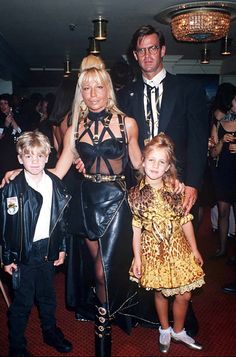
(198, 257)
(10, 268)
(9, 176)
(9, 119)
(232, 148)
(60, 260)
(79, 165)
(228, 138)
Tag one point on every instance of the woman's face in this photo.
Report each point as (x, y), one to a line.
(95, 95)
(233, 108)
(4, 106)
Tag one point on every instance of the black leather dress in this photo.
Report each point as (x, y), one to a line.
(103, 215)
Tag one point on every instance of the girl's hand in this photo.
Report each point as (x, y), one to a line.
(137, 268)
(60, 260)
(198, 257)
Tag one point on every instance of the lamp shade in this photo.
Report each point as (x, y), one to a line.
(100, 29)
(226, 46)
(205, 55)
(67, 67)
(94, 46)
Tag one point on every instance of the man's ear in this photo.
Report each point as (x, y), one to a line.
(135, 55)
(46, 160)
(163, 51)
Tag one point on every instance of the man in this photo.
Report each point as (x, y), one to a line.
(178, 109)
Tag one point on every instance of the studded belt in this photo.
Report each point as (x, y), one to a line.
(104, 178)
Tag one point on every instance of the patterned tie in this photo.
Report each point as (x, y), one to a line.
(151, 119)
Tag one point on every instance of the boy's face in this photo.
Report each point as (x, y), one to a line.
(33, 162)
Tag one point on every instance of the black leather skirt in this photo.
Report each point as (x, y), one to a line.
(103, 215)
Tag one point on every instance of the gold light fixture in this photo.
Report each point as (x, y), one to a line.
(205, 55)
(94, 46)
(100, 29)
(196, 25)
(67, 67)
(200, 21)
(226, 46)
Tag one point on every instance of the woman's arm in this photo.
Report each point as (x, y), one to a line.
(133, 146)
(66, 158)
(190, 236)
(216, 149)
(227, 138)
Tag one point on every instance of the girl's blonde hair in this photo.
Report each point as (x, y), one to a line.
(163, 141)
(92, 69)
(30, 140)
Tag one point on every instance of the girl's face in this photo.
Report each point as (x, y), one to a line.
(95, 95)
(233, 108)
(155, 164)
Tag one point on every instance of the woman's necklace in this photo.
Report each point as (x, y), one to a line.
(230, 117)
(104, 117)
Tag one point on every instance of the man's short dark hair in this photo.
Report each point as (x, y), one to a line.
(146, 30)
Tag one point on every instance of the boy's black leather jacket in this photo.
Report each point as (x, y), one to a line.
(19, 212)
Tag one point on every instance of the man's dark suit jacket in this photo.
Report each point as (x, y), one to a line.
(183, 117)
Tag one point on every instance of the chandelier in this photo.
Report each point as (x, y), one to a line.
(200, 21)
(200, 25)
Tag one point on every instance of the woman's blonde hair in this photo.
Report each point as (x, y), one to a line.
(30, 140)
(92, 69)
(163, 141)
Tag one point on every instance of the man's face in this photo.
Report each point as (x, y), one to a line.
(149, 55)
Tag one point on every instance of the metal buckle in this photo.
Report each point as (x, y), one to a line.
(98, 178)
(102, 311)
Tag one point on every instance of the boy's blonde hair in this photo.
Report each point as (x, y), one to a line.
(163, 141)
(30, 140)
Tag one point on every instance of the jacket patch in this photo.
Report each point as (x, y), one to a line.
(12, 205)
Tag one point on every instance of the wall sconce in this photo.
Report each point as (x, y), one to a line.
(94, 46)
(100, 29)
(205, 55)
(226, 46)
(67, 67)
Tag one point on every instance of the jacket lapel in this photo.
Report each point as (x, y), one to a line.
(168, 103)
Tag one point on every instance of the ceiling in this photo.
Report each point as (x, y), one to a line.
(37, 35)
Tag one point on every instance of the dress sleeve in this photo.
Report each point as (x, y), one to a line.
(136, 220)
(186, 219)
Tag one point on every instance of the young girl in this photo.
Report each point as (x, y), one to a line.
(166, 257)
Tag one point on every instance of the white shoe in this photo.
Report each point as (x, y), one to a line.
(164, 339)
(182, 337)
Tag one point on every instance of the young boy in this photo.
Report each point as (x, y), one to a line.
(33, 237)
